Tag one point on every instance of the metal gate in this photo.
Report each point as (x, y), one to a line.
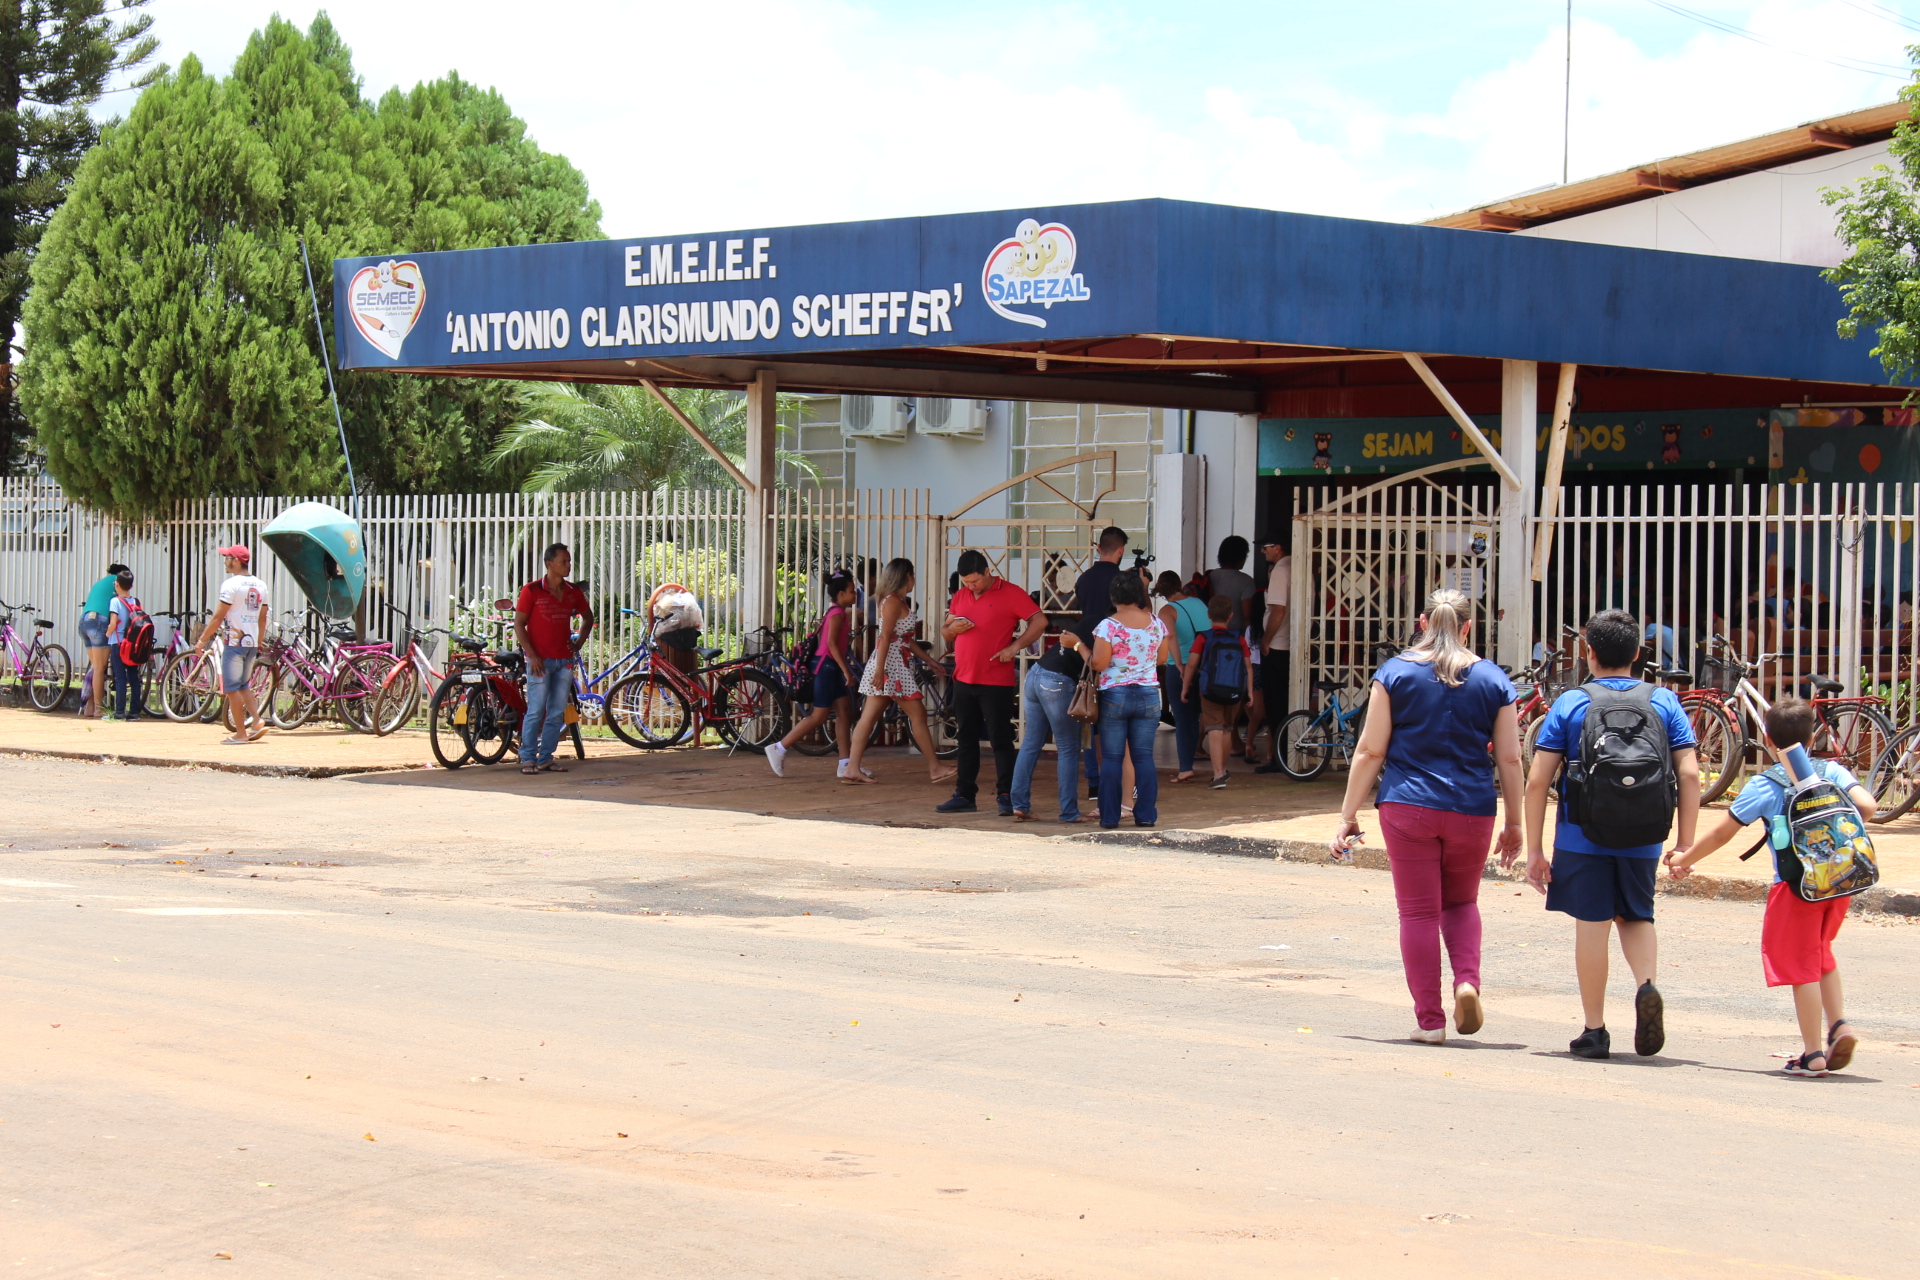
(1365, 561)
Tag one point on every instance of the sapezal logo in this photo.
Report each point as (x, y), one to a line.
(385, 300)
(1035, 266)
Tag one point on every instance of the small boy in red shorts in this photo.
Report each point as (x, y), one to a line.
(1796, 938)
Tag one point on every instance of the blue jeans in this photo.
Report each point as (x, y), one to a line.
(1129, 717)
(1048, 695)
(546, 711)
(129, 694)
(1186, 717)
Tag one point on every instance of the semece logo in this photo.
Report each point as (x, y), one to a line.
(385, 300)
(1035, 266)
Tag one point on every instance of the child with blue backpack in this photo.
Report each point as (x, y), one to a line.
(1815, 813)
(1221, 669)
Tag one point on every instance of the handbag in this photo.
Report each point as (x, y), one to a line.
(1085, 706)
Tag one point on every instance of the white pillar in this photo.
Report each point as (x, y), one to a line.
(1246, 478)
(759, 545)
(1519, 424)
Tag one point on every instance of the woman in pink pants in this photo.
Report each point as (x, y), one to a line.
(1431, 715)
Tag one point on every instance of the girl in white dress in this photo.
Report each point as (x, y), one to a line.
(888, 678)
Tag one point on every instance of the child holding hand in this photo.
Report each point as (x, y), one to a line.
(1796, 937)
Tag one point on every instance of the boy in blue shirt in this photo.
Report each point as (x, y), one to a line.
(1600, 886)
(1796, 937)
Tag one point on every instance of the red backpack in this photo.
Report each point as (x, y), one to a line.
(136, 639)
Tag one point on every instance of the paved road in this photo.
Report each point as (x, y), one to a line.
(357, 1028)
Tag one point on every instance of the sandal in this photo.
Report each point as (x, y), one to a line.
(948, 776)
(529, 768)
(1023, 815)
(551, 767)
(1803, 1065)
(238, 741)
(1189, 776)
(857, 780)
(1840, 1045)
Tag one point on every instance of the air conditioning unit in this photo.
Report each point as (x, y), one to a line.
(875, 417)
(933, 417)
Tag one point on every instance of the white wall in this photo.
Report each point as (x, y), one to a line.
(954, 467)
(1774, 215)
(1231, 444)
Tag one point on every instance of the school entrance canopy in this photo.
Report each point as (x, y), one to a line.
(1152, 302)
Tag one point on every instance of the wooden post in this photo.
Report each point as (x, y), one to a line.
(1465, 423)
(1556, 461)
(759, 546)
(1519, 420)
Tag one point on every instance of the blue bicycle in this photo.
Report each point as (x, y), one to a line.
(1309, 740)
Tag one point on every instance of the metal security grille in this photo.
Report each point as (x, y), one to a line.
(1365, 561)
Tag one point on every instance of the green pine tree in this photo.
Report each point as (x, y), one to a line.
(56, 57)
(171, 345)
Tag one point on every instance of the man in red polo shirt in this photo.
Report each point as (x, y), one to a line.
(981, 623)
(543, 623)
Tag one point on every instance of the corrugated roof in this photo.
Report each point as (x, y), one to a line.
(1676, 173)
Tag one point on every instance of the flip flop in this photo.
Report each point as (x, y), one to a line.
(1022, 815)
(237, 741)
(948, 776)
(850, 781)
(550, 767)
(529, 768)
(1185, 777)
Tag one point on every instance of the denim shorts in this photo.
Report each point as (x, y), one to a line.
(93, 629)
(829, 683)
(236, 667)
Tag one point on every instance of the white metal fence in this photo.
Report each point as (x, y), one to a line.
(1806, 579)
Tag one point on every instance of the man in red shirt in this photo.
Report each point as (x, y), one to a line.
(981, 623)
(543, 622)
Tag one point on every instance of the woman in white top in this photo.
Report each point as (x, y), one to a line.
(889, 677)
(1128, 649)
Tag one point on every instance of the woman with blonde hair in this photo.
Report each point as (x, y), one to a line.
(889, 678)
(1431, 714)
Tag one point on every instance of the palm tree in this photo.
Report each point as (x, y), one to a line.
(608, 436)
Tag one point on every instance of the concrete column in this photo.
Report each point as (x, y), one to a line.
(759, 546)
(1246, 478)
(1513, 592)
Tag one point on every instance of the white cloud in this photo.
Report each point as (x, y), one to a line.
(689, 118)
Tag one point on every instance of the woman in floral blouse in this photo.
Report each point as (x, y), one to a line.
(1128, 649)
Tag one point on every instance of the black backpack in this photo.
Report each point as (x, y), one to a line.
(1622, 788)
(136, 639)
(802, 661)
(1223, 668)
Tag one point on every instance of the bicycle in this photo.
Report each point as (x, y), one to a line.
(1852, 731)
(1895, 781)
(660, 705)
(475, 713)
(1309, 739)
(40, 668)
(345, 674)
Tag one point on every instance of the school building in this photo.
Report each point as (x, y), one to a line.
(1625, 390)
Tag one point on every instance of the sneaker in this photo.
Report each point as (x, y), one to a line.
(957, 803)
(1594, 1042)
(1219, 782)
(1093, 791)
(1006, 805)
(1467, 1017)
(1422, 1036)
(777, 759)
(1649, 1021)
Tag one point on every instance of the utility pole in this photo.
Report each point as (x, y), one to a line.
(1566, 104)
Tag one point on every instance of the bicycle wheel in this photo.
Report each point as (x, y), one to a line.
(187, 685)
(490, 724)
(1305, 746)
(749, 710)
(943, 722)
(293, 702)
(357, 687)
(397, 701)
(446, 716)
(1720, 744)
(1896, 776)
(647, 712)
(821, 742)
(261, 684)
(48, 677)
(1858, 736)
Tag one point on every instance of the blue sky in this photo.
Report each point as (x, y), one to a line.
(769, 112)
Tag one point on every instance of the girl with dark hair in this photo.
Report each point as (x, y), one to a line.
(95, 618)
(832, 676)
(1128, 651)
(1186, 618)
